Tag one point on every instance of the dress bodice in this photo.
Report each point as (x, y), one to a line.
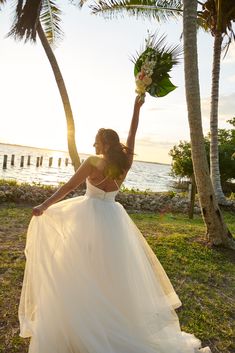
(95, 192)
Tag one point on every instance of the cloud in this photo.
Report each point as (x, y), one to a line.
(226, 107)
(156, 109)
(170, 107)
(150, 149)
(148, 141)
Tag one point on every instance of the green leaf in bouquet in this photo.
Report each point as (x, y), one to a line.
(162, 88)
(137, 67)
(152, 90)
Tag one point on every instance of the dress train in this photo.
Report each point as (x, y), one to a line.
(92, 284)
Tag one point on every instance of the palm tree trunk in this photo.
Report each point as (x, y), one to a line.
(214, 151)
(64, 96)
(217, 231)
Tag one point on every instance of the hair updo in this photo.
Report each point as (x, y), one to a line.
(116, 154)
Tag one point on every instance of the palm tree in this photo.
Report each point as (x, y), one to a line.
(42, 18)
(217, 230)
(217, 17)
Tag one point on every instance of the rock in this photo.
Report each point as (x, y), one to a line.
(152, 202)
(3, 197)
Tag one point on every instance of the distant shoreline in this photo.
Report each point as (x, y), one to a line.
(86, 154)
(37, 148)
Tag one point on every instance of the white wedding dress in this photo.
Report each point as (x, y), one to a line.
(92, 284)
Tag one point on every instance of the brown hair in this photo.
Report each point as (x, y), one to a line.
(117, 153)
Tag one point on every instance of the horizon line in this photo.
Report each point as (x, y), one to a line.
(58, 150)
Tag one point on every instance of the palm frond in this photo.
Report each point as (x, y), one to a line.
(26, 19)
(158, 43)
(2, 2)
(201, 24)
(217, 18)
(230, 37)
(50, 20)
(159, 10)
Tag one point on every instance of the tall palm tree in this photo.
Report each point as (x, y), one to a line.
(217, 230)
(217, 17)
(42, 18)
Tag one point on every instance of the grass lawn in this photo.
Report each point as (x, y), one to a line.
(204, 278)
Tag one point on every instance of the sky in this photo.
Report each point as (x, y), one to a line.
(95, 59)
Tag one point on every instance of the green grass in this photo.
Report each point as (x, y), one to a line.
(203, 277)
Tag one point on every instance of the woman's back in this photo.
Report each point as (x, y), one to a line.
(102, 181)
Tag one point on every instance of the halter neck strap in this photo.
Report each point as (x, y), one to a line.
(100, 182)
(116, 183)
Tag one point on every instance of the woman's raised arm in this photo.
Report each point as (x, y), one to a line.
(130, 143)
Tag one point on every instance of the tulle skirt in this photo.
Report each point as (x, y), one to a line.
(92, 284)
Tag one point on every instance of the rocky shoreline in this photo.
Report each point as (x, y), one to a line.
(135, 202)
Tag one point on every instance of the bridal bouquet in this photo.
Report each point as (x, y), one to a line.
(153, 65)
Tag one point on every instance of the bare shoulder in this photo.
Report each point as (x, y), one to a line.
(96, 163)
(92, 160)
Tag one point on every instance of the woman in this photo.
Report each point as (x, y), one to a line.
(92, 284)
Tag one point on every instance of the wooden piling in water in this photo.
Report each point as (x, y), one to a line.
(41, 160)
(38, 162)
(50, 161)
(21, 161)
(66, 161)
(12, 159)
(4, 161)
(59, 162)
(28, 160)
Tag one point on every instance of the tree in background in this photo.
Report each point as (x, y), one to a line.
(226, 148)
(217, 231)
(42, 18)
(182, 165)
(217, 17)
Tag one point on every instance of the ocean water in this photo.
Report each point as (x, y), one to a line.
(142, 176)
